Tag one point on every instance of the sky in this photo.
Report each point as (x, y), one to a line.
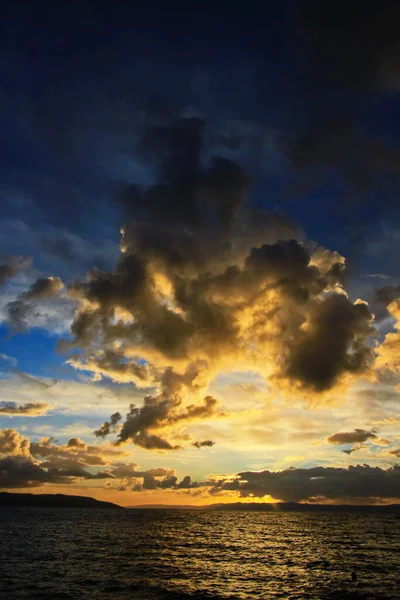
(199, 232)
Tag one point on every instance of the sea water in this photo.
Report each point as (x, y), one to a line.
(65, 554)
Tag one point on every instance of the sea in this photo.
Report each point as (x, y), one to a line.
(79, 554)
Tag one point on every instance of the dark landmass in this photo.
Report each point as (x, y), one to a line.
(53, 501)
(280, 507)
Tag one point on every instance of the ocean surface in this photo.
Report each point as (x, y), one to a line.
(68, 554)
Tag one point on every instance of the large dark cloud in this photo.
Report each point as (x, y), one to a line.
(356, 483)
(204, 276)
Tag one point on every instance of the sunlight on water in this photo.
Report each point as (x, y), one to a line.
(81, 554)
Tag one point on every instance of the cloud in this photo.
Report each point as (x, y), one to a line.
(109, 426)
(356, 483)
(19, 310)
(44, 287)
(24, 463)
(151, 482)
(350, 450)
(19, 472)
(35, 380)
(387, 294)
(165, 410)
(203, 443)
(8, 270)
(30, 409)
(352, 437)
(75, 453)
(203, 276)
(115, 365)
(389, 350)
(13, 443)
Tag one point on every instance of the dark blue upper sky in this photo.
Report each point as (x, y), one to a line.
(78, 80)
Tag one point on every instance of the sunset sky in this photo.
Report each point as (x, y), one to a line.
(199, 253)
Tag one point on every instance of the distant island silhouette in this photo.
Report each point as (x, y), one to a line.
(11, 500)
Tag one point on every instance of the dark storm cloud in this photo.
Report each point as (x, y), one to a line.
(193, 261)
(352, 437)
(203, 444)
(360, 482)
(109, 426)
(30, 409)
(193, 219)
